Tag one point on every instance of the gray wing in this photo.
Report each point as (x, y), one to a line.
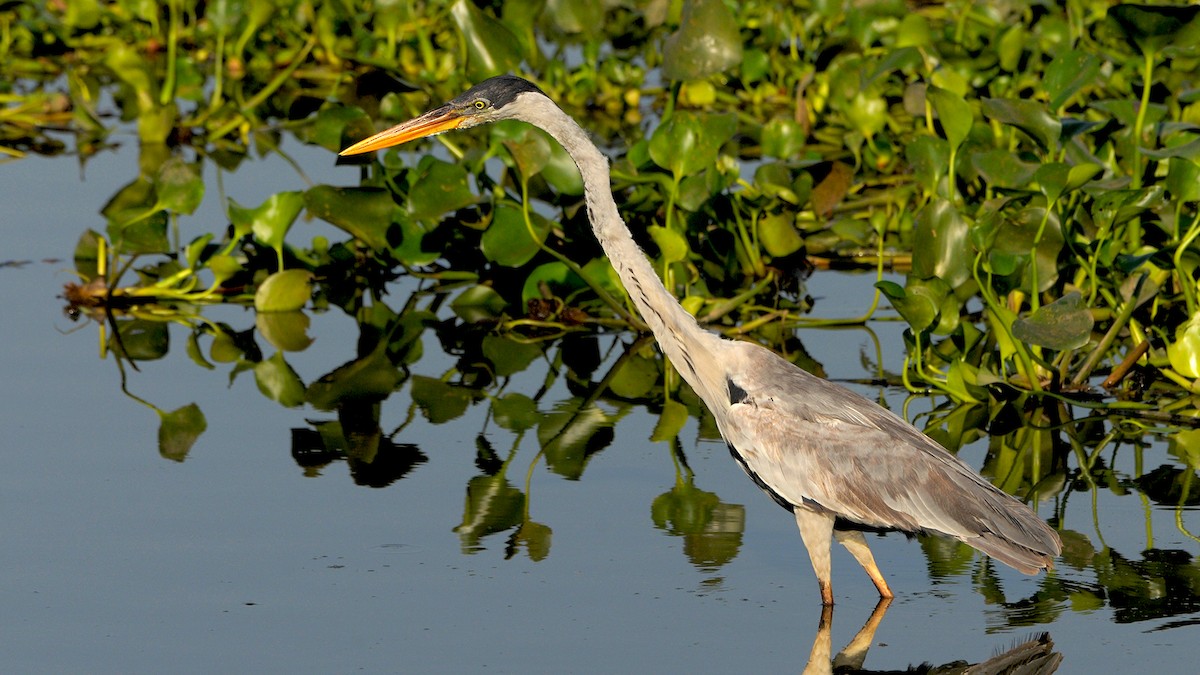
(819, 445)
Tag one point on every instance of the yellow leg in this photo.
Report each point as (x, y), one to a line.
(854, 542)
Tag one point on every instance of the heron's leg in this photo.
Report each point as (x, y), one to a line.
(854, 542)
(816, 529)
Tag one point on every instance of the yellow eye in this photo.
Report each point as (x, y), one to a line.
(480, 104)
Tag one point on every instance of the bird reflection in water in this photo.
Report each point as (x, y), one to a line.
(1035, 656)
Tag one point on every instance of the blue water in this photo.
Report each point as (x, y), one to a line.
(113, 559)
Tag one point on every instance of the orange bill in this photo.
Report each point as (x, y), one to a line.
(433, 122)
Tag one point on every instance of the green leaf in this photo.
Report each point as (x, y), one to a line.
(224, 348)
(707, 42)
(1028, 116)
(508, 241)
(144, 235)
(439, 401)
(223, 268)
(478, 303)
(866, 112)
(1184, 352)
(491, 47)
(529, 147)
(1057, 178)
(571, 434)
(782, 137)
(672, 245)
(1003, 168)
(269, 221)
(336, 125)
(287, 331)
(918, 310)
(1151, 28)
(929, 158)
(278, 382)
(141, 340)
(561, 173)
(1183, 179)
(778, 235)
(941, 243)
(438, 187)
(179, 186)
(954, 114)
(670, 422)
(284, 291)
(1016, 237)
(1061, 325)
(493, 505)
(178, 431)
(515, 412)
(555, 275)
(635, 378)
(372, 378)
(367, 214)
(1068, 73)
(686, 142)
(509, 357)
(536, 537)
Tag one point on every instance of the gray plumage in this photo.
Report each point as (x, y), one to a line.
(838, 461)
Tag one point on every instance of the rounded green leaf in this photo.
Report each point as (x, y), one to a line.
(477, 303)
(441, 402)
(491, 47)
(953, 112)
(278, 382)
(178, 431)
(179, 186)
(670, 422)
(941, 243)
(672, 245)
(287, 331)
(509, 357)
(1184, 352)
(515, 412)
(1153, 27)
(269, 221)
(141, 339)
(1061, 325)
(707, 42)
(284, 291)
(778, 235)
(1028, 116)
(782, 137)
(686, 143)
(1183, 179)
(367, 214)
(508, 240)
(1068, 73)
(438, 187)
(918, 310)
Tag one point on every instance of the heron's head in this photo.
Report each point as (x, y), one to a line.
(491, 100)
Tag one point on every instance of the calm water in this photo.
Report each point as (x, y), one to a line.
(114, 559)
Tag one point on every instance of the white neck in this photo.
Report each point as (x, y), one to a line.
(684, 342)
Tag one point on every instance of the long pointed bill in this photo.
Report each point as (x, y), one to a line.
(433, 122)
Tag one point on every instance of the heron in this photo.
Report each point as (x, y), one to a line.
(841, 463)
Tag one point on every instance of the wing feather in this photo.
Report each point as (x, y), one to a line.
(811, 441)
